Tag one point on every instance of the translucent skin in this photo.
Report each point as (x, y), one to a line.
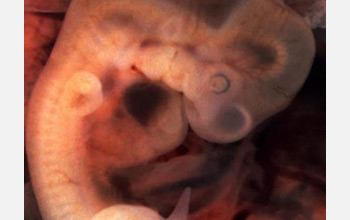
(115, 44)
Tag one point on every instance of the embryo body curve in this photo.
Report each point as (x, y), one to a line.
(126, 79)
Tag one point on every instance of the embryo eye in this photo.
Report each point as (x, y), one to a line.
(219, 83)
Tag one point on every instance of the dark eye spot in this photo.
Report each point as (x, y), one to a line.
(142, 100)
(230, 120)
